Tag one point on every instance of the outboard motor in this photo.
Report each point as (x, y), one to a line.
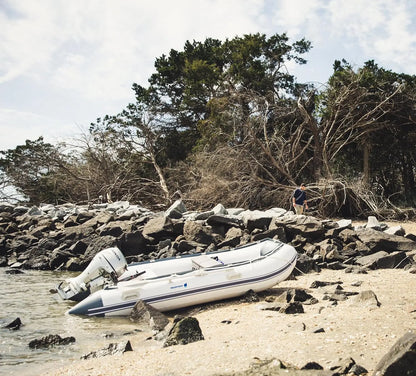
(104, 269)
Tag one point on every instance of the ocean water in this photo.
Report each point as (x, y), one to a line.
(28, 296)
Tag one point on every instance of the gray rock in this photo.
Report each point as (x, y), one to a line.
(224, 219)
(344, 223)
(111, 349)
(184, 331)
(50, 340)
(401, 358)
(176, 210)
(235, 211)
(256, 219)
(292, 308)
(294, 295)
(380, 241)
(158, 227)
(372, 222)
(219, 209)
(198, 232)
(367, 298)
(383, 260)
(308, 226)
(13, 325)
(395, 230)
(34, 211)
(143, 313)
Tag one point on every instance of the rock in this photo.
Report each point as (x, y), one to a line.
(294, 295)
(383, 260)
(184, 331)
(111, 349)
(97, 244)
(312, 365)
(309, 227)
(396, 230)
(34, 211)
(367, 298)
(401, 358)
(225, 220)
(14, 271)
(58, 258)
(372, 222)
(144, 313)
(305, 264)
(114, 228)
(176, 210)
(220, 209)
(159, 227)
(198, 232)
(292, 308)
(250, 297)
(276, 233)
(131, 242)
(6, 207)
(344, 223)
(13, 325)
(256, 219)
(275, 367)
(78, 248)
(317, 284)
(380, 241)
(232, 238)
(50, 340)
(349, 367)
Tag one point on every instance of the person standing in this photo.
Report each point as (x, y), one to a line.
(299, 199)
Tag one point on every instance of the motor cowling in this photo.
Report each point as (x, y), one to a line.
(104, 269)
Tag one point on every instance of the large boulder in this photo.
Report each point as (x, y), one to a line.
(308, 227)
(144, 313)
(176, 210)
(184, 331)
(160, 227)
(197, 231)
(381, 241)
(383, 260)
(401, 359)
(256, 219)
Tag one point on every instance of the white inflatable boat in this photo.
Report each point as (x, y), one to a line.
(173, 283)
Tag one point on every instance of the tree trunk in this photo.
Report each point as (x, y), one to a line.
(366, 161)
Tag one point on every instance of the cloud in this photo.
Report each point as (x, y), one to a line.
(99, 48)
(22, 126)
(68, 62)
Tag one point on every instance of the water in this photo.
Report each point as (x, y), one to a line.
(28, 297)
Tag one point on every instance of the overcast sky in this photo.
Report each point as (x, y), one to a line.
(64, 63)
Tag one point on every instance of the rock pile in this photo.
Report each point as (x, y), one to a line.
(66, 237)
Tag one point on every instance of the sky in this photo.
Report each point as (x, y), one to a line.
(65, 63)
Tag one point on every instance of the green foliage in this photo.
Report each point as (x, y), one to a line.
(32, 170)
(188, 84)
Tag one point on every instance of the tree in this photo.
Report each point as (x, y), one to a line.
(136, 132)
(187, 82)
(32, 169)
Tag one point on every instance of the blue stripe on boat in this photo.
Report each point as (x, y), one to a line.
(95, 311)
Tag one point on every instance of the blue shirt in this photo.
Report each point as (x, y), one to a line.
(300, 196)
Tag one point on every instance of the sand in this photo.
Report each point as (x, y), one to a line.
(237, 334)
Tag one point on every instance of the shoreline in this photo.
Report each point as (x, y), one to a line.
(237, 334)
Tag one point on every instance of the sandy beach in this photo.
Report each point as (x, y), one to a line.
(237, 334)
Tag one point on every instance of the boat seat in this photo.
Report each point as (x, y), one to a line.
(204, 261)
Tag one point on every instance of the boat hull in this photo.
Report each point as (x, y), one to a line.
(255, 267)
